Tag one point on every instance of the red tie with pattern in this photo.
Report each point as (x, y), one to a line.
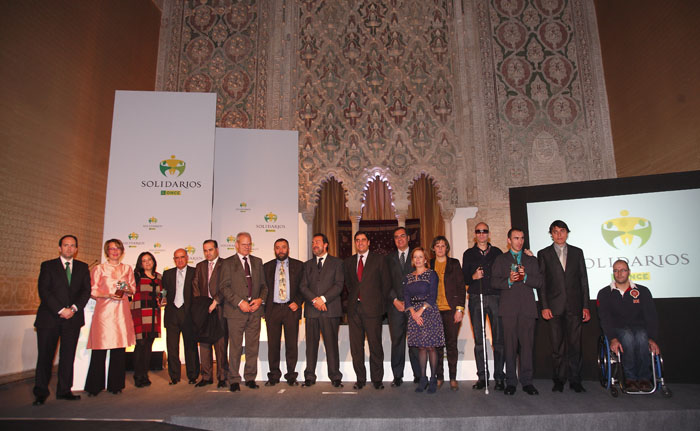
(360, 268)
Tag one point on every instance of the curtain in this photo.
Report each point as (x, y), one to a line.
(424, 206)
(378, 201)
(331, 208)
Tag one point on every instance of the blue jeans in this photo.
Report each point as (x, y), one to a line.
(636, 359)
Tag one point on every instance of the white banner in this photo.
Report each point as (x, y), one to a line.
(256, 189)
(160, 182)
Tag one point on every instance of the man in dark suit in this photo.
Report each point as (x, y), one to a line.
(244, 289)
(64, 289)
(517, 275)
(321, 286)
(177, 282)
(206, 283)
(368, 281)
(282, 310)
(564, 297)
(399, 264)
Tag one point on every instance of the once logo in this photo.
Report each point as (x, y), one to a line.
(172, 167)
(622, 231)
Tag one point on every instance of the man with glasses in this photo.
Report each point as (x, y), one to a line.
(399, 263)
(628, 317)
(476, 267)
(243, 285)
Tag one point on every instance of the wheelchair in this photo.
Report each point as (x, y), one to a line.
(612, 376)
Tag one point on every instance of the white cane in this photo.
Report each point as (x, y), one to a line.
(483, 338)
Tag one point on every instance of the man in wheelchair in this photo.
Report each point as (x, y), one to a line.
(628, 318)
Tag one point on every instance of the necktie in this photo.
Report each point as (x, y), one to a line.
(562, 259)
(211, 271)
(68, 274)
(248, 278)
(283, 284)
(402, 259)
(320, 264)
(360, 268)
(179, 294)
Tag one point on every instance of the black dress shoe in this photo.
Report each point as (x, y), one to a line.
(558, 387)
(139, 384)
(117, 392)
(69, 396)
(39, 400)
(235, 387)
(416, 380)
(308, 383)
(509, 390)
(271, 382)
(251, 384)
(146, 382)
(358, 385)
(173, 382)
(204, 383)
(337, 384)
(292, 382)
(499, 385)
(192, 381)
(93, 394)
(530, 390)
(221, 384)
(378, 385)
(480, 384)
(577, 387)
(396, 382)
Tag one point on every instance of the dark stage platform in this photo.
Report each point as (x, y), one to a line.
(323, 407)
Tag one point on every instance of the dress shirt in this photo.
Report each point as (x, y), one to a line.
(323, 262)
(179, 287)
(364, 260)
(561, 253)
(70, 263)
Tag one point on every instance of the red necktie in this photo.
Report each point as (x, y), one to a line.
(360, 268)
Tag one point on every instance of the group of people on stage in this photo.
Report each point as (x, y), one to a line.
(220, 301)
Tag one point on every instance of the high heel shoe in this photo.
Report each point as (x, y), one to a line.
(422, 384)
(432, 387)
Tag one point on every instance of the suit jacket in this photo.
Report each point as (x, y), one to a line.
(55, 293)
(170, 285)
(518, 299)
(398, 274)
(374, 287)
(327, 283)
(293, 281)
(455, 290)
(234, 287)
(563, 290)
(202, 287)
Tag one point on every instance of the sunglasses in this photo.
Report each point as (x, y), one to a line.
(482, 231)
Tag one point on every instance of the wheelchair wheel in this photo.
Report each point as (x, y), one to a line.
(604, 364)
(614, 392)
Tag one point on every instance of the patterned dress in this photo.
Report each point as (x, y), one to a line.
(145, 311)
(418, 290)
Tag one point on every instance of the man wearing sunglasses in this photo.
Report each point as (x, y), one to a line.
(476, 267)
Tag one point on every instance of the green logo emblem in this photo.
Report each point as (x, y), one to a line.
(623, 230)
(243, 205)
(153, 220)
(230, 239)
(171, 167)
(190, 250)
(133, 236)
(270, 217)
(157, 245)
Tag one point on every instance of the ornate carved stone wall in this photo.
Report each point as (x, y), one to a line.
(218, 46)
(480, 95)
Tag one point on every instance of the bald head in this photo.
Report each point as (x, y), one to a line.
(180, 257)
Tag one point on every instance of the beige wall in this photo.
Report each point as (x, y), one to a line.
(651, 63)
(60, 63)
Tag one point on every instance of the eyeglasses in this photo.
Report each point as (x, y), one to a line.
(481, 231)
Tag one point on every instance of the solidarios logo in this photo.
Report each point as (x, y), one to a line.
(190, 250)
(172, 167)
(133, 241)
(626, 231)
(152, 224)
(270, 217)
(153, 220)
(133, 236)
(157, 245)
(270, 223)
(243, 207)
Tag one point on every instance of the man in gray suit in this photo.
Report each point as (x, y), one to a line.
(243, 285)
(321, 286)
(517, 275)
(564, 296)
(399, 263)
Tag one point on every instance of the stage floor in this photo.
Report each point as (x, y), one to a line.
(292, 408)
